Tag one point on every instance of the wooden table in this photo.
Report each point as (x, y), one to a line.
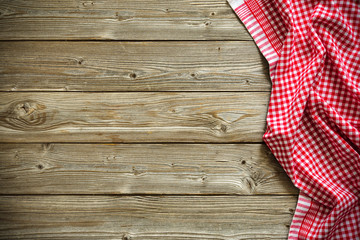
(127, 119)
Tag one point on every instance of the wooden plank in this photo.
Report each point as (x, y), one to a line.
(120, 20)
(133, 117)
(141, 169)
(145, 217)
(132, 66)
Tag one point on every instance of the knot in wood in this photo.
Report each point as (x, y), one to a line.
(220, 128)
(223, 128)
(23, 114)
(203, 178)
(40, 166)
(133, 75)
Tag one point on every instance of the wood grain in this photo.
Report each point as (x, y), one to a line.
(129, 142)
(133, 117)
(141, 169)
(132, 66)
(145, 217)
(119, 20)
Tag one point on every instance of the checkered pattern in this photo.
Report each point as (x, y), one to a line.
(313, 50)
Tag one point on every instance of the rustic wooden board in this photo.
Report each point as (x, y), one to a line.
(132, 66)
(133, 117)
(141, 169)
(120, 20)
(138, 123)
(145, 217)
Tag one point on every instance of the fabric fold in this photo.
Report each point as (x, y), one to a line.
(313, 121)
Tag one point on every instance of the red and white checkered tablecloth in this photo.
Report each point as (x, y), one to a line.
(313, 51)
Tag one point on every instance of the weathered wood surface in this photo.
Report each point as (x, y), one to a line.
(132, 66)
(145, 217)
(119, 20)
(140, 169)
(129, 143)
(133, 117)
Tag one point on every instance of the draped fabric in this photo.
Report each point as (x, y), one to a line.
(313, 120)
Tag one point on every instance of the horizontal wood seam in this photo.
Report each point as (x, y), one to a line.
(152, 194)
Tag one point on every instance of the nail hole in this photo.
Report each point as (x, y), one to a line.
(133, 75)
(243, 162)
(39, 166)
